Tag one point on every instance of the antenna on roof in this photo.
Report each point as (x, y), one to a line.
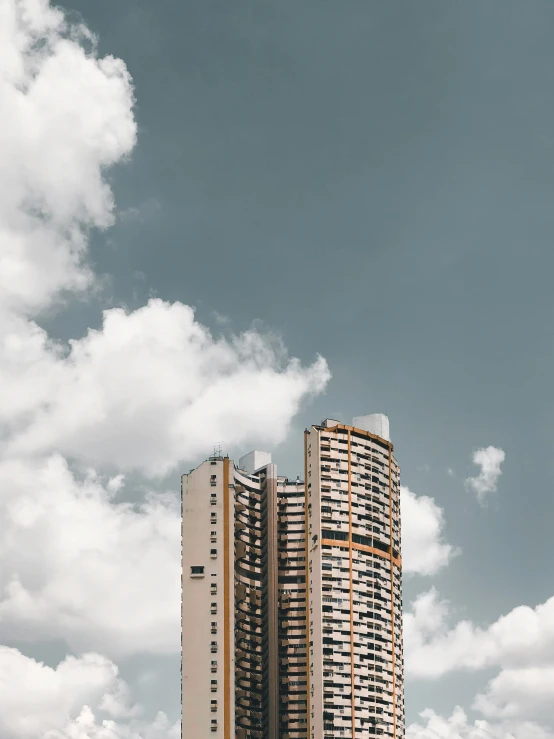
(217, 450)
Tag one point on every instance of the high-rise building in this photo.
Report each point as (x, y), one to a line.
(292, 602)
(354, 576)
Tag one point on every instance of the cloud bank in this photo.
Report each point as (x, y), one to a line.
(148, 390)
(81, 698)
(151, 389)
(520, 644)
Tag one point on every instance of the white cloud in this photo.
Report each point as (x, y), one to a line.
(520, 644)
(150, 389)
(66, 116)
(490, 460)
(424, 551)
(41, 702)
(523, 637)
(517, 693)
(427, 617)
(77, 566)
(87, 726)
(450, 472)
(459, 726)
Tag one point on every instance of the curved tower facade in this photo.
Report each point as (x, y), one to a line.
(354, 575)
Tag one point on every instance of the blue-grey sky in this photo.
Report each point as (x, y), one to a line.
(373, 181)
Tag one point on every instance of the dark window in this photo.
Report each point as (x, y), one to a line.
(197, 570)
(340, 535)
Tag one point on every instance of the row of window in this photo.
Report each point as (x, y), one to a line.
(198, 571)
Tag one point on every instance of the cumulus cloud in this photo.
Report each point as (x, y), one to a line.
(459, 726)
(147, 391)
(424, 551)
(523, 637)
(150, 389)
(67, 115)
(87, 726)
(517, 693)
(427, 616)
(78, 566)
(490, 461)
(520, 644)
(42, 702)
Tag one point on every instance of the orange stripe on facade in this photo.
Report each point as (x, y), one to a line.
(362, 432)
(351, 585)
(227, 633)
(397, 561)
(392, 601)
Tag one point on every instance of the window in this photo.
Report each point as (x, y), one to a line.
(213, 706)
(213, 686)
(213, 498)
(213, 517)
(197, 571)
(213, 535)
(213, 553)
(214, 724)
(213, 647)
(213, 589)
(214, 627)
(213, 480)
(213, 608)
(214, 666)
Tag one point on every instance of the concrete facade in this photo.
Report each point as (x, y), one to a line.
(312, 605)
(354, 574)
(208, 618)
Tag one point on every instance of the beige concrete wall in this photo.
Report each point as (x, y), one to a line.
(314, 585)
(197, 598)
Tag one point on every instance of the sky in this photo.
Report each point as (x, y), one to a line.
(222, 221)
